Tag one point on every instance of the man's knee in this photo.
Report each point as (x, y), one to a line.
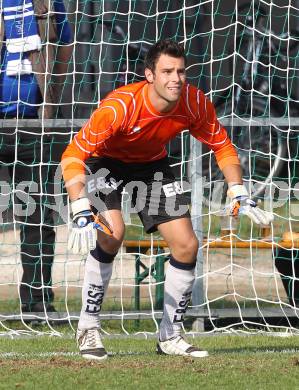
(191, 247)
(101, 255)
(186, 250)
(111, 244)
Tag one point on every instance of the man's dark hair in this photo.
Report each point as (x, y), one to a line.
(165, 46)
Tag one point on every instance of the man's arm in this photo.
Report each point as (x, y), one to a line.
(76, 190)
(232, 174)
(65, 47)
(104, 122)
(63, 64)
(83, 235)
(90, 139)
(208, 130)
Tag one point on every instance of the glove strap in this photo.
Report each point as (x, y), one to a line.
(237, 191)
(79, 205)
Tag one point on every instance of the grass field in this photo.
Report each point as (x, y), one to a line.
(235, 362)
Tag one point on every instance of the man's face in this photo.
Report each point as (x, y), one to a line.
(168, 78)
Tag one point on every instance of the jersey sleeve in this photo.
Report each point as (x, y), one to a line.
(103, 123)
(206, 128)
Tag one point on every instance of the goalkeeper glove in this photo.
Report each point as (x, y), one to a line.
(242, 204)
(83, 236)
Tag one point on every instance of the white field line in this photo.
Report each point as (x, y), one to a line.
(29, 334)
(45, 355)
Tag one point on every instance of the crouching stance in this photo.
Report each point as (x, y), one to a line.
(123, 145)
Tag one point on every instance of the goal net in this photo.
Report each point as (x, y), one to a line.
(243, 54)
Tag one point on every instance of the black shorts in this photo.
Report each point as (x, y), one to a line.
(152, 189)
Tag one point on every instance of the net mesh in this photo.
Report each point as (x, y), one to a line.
(244, 56)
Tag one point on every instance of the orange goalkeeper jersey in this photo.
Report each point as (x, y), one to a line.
(127, 127)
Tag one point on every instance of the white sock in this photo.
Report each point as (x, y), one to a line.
(96, 280)
(177, 295)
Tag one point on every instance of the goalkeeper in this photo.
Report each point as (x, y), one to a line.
(123, 143)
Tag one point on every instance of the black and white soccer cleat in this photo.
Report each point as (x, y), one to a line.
(90, 344)
(178, 346)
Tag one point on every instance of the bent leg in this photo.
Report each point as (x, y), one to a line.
(113, 243)
(181, 239)
(98, 271)
(180, 275)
